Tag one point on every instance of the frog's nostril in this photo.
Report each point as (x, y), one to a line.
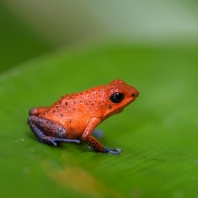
(135, 94)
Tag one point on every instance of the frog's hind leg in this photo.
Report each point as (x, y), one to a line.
(48, 131)
(37, 111)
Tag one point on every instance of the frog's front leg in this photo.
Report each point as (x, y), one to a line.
(92, 142)
(48, 131)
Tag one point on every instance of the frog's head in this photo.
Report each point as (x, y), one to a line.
(119, 95)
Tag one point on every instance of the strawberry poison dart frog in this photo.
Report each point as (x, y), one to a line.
(75, 116)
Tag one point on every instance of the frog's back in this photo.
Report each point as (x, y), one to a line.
(78, 106)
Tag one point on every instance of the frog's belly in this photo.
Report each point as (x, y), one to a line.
(74, 129)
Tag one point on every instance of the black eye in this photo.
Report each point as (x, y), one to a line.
(117, 97)
(133, 95)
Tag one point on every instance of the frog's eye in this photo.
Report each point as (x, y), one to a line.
(117, 97)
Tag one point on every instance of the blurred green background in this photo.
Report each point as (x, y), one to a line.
(49, 48)
(31, 28)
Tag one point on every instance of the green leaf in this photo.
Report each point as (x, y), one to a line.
(157, 133)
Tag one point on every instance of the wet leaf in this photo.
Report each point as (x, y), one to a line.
(157, 133)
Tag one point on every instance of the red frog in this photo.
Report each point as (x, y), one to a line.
(75, 116)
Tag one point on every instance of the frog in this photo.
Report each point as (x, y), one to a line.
(74, 117)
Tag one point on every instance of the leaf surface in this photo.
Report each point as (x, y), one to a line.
(157, 133)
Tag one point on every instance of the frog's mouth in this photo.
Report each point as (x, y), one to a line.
(118, 111)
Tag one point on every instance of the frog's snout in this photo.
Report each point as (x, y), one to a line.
(135, 93)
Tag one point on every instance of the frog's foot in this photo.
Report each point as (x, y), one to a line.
(98, 133)
(116, 151)
(54, 141)
(48, 131)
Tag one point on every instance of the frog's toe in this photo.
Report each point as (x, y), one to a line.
(53, 140)
(47, 140)
(66, 140)
(116, 151)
